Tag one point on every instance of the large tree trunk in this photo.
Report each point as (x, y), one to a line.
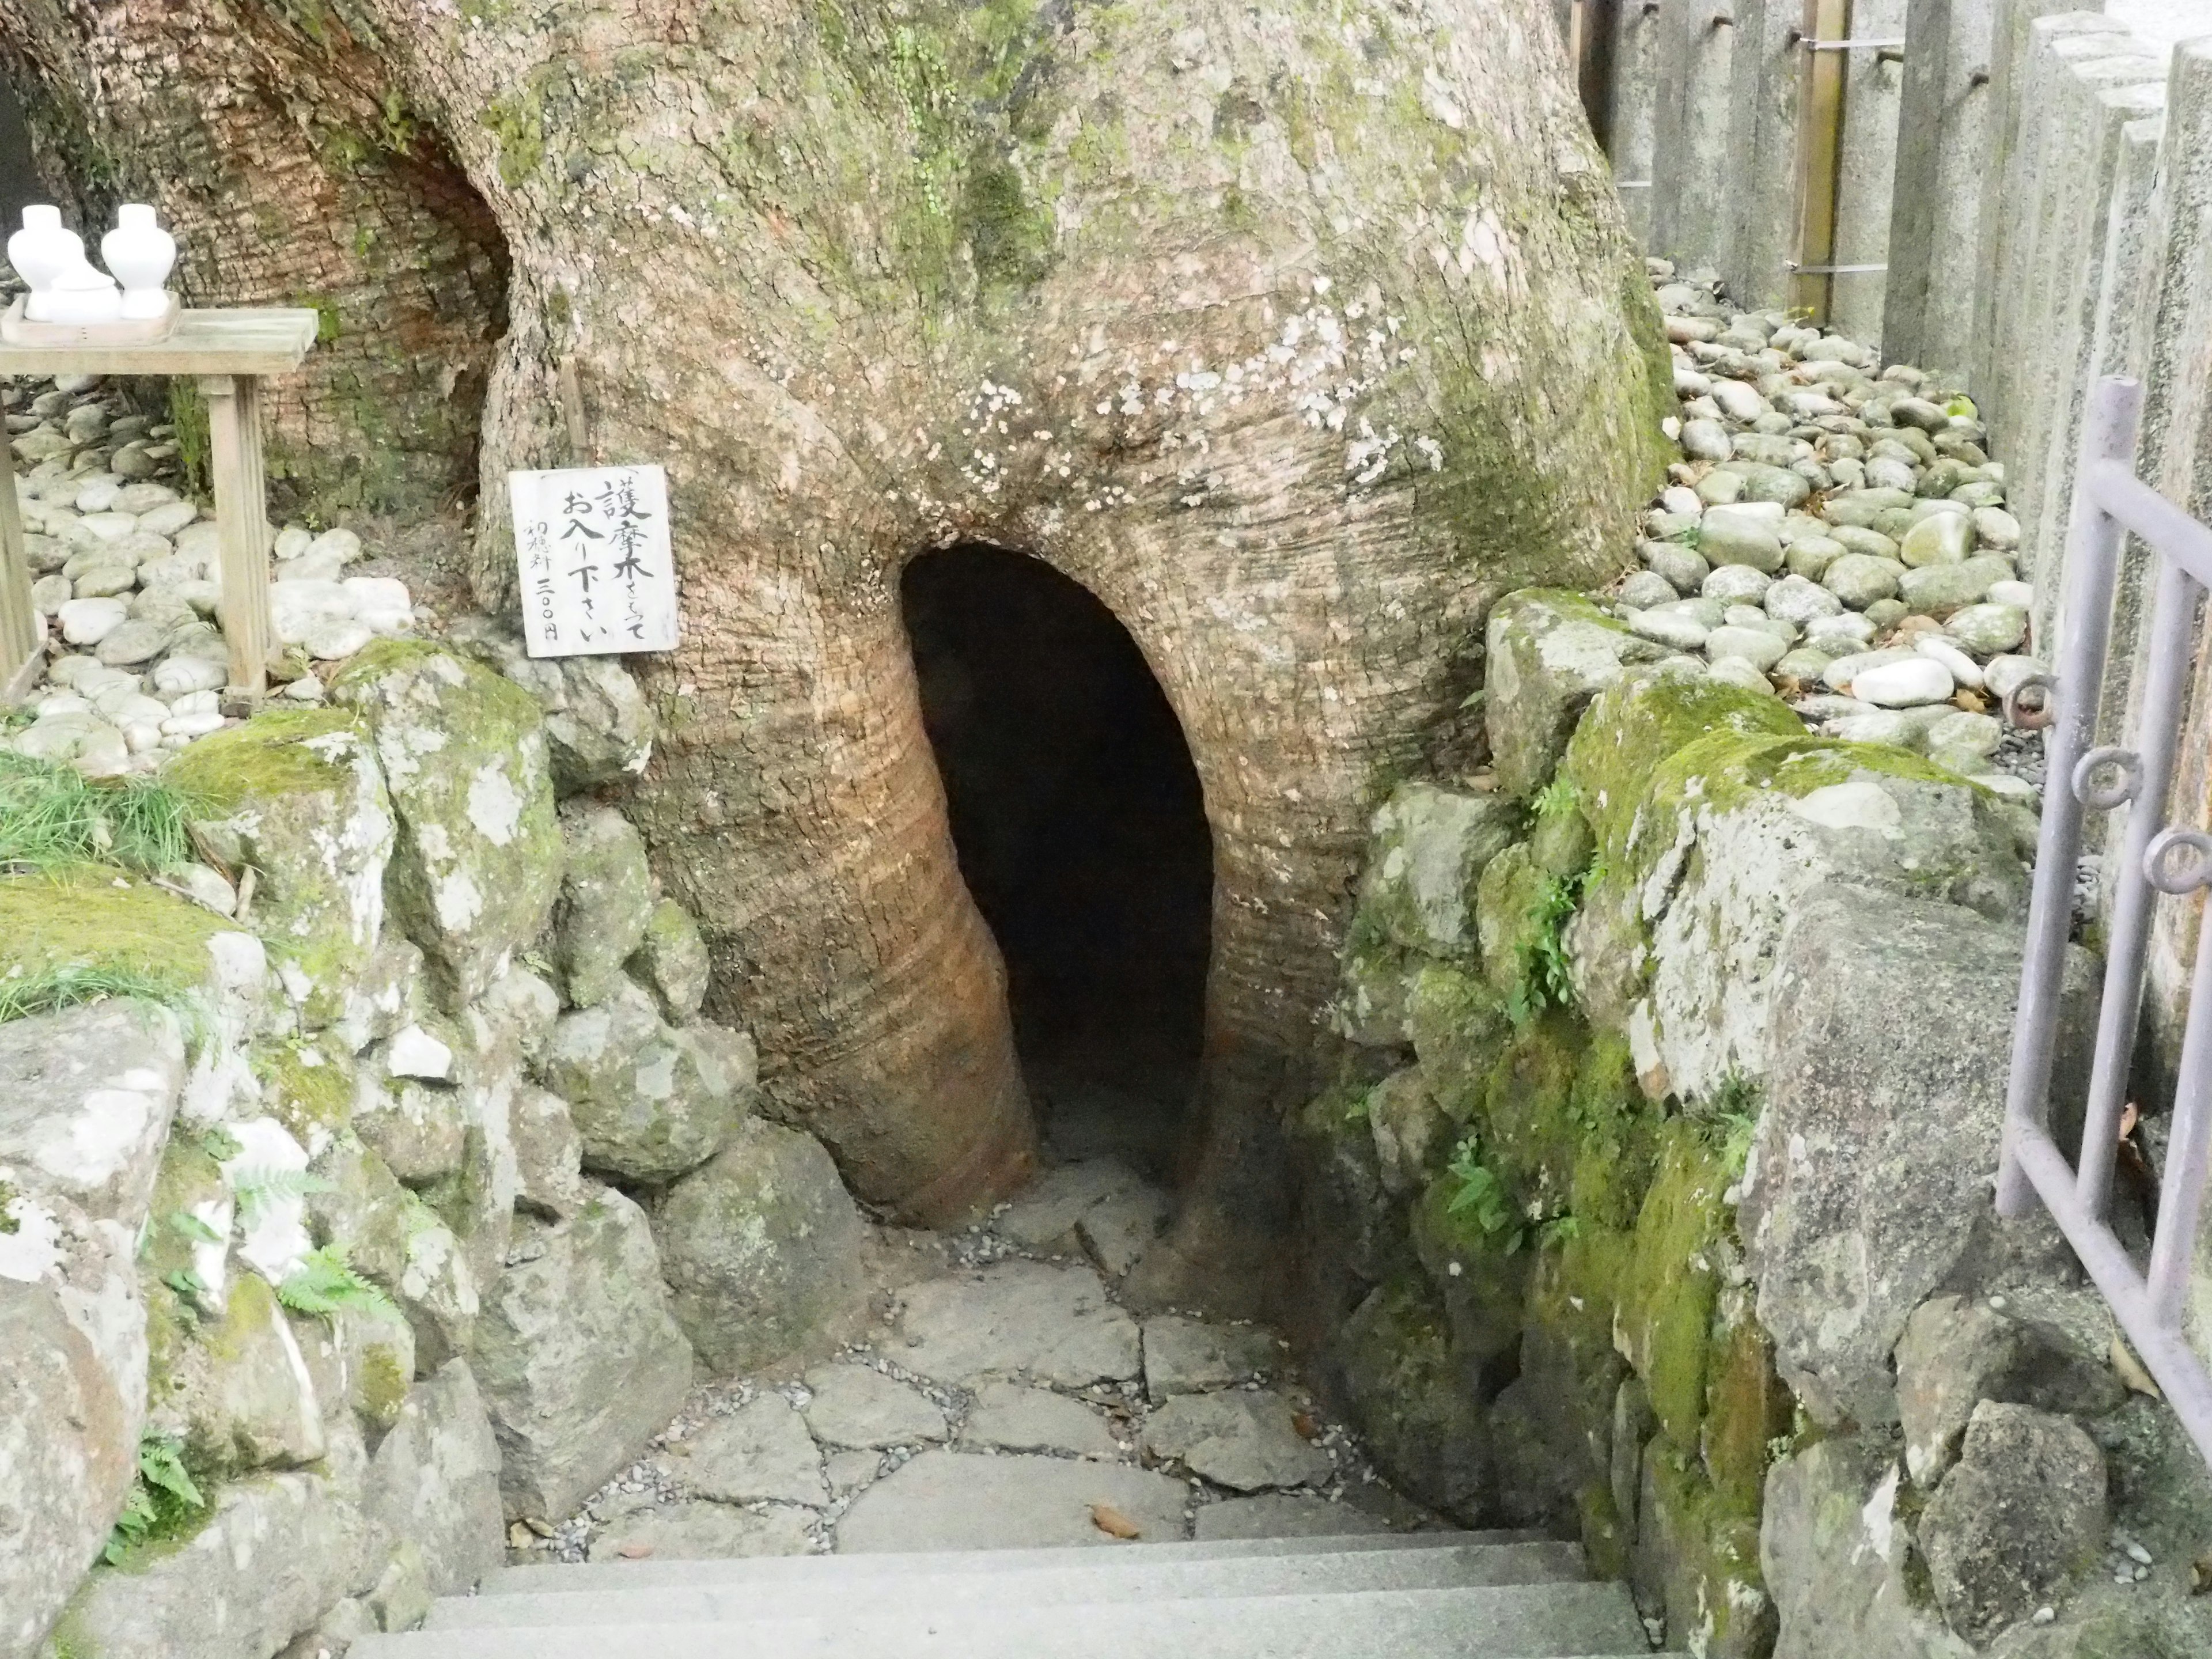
(1298, 335)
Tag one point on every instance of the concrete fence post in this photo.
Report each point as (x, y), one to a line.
(1928, 313)
(1692, 207)
(1865, 169)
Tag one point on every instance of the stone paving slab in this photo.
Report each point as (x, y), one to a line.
(858, 1407)
(1245, 1439)
(1048, 1209)
(1009, 1417)
(1189, 1356)
(700, 1531)
(948, 1500)
(761, 1452)
(1050, 1322)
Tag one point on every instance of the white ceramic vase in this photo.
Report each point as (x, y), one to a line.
(80, 294)
(41, 251)
(141, 254)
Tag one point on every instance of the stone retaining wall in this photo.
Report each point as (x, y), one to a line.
(339, 1235)
(1651, 1203)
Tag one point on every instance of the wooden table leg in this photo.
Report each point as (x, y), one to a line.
(241, 516)
(21, 635)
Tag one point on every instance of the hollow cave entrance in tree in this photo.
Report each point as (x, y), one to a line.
(1080, 826)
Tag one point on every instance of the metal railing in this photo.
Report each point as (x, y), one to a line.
(2154, 860)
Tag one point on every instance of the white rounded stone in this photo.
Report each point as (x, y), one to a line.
(1905, 684)
(87, 621)
(1962, 666)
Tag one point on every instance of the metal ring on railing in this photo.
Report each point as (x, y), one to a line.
(2033, 717)
(2104, 798)
(2160, 870)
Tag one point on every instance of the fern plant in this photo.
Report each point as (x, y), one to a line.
(163, 1497)
(325, 1284)
(1481, 1197)
(257, 1189)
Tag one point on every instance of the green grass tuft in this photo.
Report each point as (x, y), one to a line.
(73, 985)
(52, 817)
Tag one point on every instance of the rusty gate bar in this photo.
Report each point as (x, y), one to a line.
(2155, 859)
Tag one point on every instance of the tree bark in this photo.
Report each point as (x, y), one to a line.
(1297, 335)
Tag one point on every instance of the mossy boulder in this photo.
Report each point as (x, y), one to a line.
(478, 862)
(1550, 651)
(651, 1101)
(1457, 1025)
(1672, 1284)
(1414, 1403)
(671, 961)
(297, 795)
(606, 901)
(1552, 1425)
(1428, 848)
(762, 1247)
(578, 1358)
(307, 1084)
(1707, 853)
(235, 1387)
(1698, 1559)
(399, 1242)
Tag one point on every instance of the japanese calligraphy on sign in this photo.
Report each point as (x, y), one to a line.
(592, 545)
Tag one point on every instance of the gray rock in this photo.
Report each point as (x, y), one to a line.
(549, 1154)
(705, 1532)
(762, 1247)
(1859, 578)
(650, 1101)
(1736, 584)
(598, 726)
(1872, 543)
(1755, 646)
(2005, 675)
(1410, 1401)
(1995, 528)
(578, 1358)
(1781, 486)
(606, 900)
(1705, 441)
(1428, 848)
(1834, 1552)
(1989, 630)
(133, 643)
(478, 863)
(1937, 590)
(1886, 1095)
(1739, 403)
(279, 1552)
(1939, 538)
(759, 1452)
(1051, 1323)
(87, 1098)
(420, 1129)
(1411, 1130)
(240, 1395)
(1010, 1417)
(947, 1500)
(858, 1407)
(1672, 628)
(1642, 589)
(2016, 1521)
(1796, 598)
(1743, 535)
(435, 1481)
(848, 1471)
(1684, 567)
(1245, 1439)
(1284, 1514)
(671, 961)
(1804, 664)
(1956, 1353)
(1549, 652)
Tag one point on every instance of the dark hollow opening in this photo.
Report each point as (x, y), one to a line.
(1081, 829)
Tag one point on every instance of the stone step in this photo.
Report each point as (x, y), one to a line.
(828, 1570)
(1095, 1576)
(1535, 1621)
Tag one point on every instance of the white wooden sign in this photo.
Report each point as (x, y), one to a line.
(591, 546)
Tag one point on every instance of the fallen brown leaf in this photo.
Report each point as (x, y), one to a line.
(1972, 702)
(1307, 1427)
(542, 1528)
(636, 1550)
(519, 1536)
(1115, 1524)
(2131, 1371)
(2200, 1574)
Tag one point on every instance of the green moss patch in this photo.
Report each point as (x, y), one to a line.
(274, 753)
(1673, 1283)
(77, 935)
